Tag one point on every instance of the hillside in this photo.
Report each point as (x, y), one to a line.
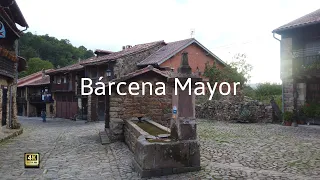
(44, 51)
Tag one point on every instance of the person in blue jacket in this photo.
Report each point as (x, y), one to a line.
(43, 115)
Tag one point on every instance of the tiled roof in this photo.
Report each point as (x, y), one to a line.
(71, 67)
(309, 19)
(42, 81)
(138, 72)
(129, 51)
(25, 81)
(170, 50)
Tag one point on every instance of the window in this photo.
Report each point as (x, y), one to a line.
(93, 73)
(58, 79)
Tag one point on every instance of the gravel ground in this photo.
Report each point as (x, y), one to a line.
(71, 150)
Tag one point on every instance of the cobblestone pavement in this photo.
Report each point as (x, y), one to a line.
(71, 150)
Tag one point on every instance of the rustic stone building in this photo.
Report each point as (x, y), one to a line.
(155, 107)
(34, 95)
(10, 62)
(300, 60)
(169, 56)
(114, 65)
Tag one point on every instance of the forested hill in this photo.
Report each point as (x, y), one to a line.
(45, 52)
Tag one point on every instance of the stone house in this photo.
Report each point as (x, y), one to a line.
(114, 65)
(10, 62)
(156, 107)
(300, 60)
(169, 56)
(34, 95)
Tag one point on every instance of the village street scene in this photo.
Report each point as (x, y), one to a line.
(120, 100)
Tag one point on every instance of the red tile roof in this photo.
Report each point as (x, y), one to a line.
(129, 51)
(35, 77)
(42, 81)
(309, 19)
(170, 50)
(138, 72)
(72, 67)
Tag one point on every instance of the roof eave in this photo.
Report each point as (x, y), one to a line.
(188, 44)
(282, 30)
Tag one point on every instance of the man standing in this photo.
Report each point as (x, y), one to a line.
(43, 115)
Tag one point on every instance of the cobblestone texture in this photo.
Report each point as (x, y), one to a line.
(71, 150)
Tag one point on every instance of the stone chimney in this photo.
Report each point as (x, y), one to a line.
(184, 66)
(43, 73)
(126, 47)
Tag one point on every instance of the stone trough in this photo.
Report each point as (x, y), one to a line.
(158, 154)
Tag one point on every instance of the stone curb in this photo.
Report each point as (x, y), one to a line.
(11, 135)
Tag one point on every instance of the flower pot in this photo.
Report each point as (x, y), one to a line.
(294, 124)
(287, 123)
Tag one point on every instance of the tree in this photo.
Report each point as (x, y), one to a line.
(236, 71)
(35, 65)
(58, 52)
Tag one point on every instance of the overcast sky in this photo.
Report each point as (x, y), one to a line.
(225, 27)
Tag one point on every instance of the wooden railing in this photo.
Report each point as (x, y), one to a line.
(62, 87)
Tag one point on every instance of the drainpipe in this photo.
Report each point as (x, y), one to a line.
(282, 96)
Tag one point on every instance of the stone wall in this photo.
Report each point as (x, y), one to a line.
(152, 106)
(14, 118)
(1, 91)
(230, 108)
(286, 72)
(129, 63)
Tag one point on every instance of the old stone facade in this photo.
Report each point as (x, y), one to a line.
(153, 106)
(128, 64)
(232, 108)
(286, 74)
(299, 53)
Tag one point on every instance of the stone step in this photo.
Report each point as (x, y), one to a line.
(104, 137)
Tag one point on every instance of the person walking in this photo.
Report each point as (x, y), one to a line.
(43, 115)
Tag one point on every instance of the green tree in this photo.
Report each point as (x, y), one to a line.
(58, 52)
(36, 65)
(237, 71)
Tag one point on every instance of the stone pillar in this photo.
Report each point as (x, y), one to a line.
(1, 101)
(183, 124)
(89, 108)
(288, 95)
(286, 73)
(12, 109)
(302, 93)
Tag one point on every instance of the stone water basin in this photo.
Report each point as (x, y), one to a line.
(155, 154)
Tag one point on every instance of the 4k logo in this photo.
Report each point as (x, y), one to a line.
(31, 160)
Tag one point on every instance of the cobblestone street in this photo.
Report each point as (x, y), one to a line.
(72, 150)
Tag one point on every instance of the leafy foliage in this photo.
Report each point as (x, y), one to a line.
(237, 71)
(57, 52)
(288, 116)
(311, 110)
(35, 65)
(268, 89)
(246, 115)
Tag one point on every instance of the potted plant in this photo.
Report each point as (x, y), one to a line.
(287, 118)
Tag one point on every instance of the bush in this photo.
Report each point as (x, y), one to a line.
(311, 110)
(268, 89)
(288, 116)
(246, 115)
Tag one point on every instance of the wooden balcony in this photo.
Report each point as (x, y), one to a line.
(21, 100)
(63, 87)
(35, 99)
(306, 63)
(38, 99)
